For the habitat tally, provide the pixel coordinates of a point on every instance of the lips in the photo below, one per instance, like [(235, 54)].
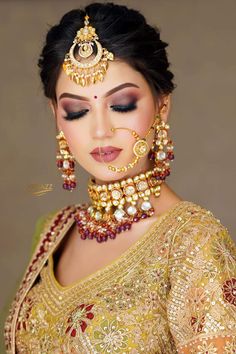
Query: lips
[(105, 150), (105, 154)]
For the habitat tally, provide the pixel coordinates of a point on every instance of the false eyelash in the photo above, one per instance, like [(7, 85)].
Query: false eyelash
[(123, 109), (115, 108), (75, 115)]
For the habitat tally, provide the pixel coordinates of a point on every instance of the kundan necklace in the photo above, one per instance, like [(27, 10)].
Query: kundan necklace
[(116, 206)]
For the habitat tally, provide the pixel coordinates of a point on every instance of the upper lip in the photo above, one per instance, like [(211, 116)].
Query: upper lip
[(104, 149)]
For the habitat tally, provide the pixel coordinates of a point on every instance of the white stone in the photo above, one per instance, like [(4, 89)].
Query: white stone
[(162, 134), (116, 194), (146, 206), (161, 155), (119, 214), (129, 190), (66, 164), (142, 185), (131, 210), (98, 215), (90, 209)]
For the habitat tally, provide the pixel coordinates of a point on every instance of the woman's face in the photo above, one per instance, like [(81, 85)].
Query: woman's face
[(87, 114)]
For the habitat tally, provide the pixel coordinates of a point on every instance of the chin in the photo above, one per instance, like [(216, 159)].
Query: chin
[(107, 176)]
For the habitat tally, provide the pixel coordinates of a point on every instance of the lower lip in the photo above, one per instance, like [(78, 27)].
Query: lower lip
[(106, 157)]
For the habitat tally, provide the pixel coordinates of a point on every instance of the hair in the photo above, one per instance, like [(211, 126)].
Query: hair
[(122, 31)]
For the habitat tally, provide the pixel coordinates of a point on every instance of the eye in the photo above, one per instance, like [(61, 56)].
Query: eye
[(76, 115), (124, 108)]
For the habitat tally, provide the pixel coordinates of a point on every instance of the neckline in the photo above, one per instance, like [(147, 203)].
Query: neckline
[(133, 247)]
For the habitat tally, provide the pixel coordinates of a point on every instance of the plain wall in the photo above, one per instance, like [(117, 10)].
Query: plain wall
[(202, 51)]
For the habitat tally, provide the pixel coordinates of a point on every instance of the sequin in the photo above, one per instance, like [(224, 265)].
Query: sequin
[(170, 292)]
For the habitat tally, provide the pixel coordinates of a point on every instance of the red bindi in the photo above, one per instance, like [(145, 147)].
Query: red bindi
[(95, 96)]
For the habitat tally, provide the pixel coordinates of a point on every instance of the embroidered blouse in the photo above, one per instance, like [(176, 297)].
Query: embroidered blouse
[(172, 291)]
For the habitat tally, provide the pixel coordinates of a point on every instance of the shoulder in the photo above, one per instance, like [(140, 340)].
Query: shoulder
[(195, 227), (194, 219), (48, 220), (198, 233)]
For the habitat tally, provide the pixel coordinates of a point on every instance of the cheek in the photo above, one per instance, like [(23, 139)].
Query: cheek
[(142, 119), (75, 134)]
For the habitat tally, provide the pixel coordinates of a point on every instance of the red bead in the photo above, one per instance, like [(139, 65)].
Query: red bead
[(73, 184), (71, 164), (83, 325), (170, 155), (112, 235), (73, 333), (59, 163), (90, 236)]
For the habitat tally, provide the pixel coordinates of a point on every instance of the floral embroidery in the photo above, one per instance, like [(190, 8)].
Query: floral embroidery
[(162, 295), (223, 251), (197, 323), (196, 300), (77, 319), (111, 337), (229, 291), (205, 348), (230, 347)]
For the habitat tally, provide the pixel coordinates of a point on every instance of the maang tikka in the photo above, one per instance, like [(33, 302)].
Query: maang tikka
[(87, 61)]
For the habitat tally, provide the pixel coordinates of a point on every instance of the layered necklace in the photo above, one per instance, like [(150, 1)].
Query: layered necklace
[(116, 206)]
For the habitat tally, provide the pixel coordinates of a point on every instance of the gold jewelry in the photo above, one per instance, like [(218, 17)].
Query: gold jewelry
[(162, 148), (115, 206), (140, 149), (66, 163), (90, 62)]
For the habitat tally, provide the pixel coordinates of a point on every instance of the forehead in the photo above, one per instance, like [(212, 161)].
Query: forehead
[(118, 72)]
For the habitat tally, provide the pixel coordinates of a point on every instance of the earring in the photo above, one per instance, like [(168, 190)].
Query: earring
[(65, 163), (162, 148)]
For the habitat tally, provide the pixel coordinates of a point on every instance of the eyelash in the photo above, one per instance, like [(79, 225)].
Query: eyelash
[(116, 108)]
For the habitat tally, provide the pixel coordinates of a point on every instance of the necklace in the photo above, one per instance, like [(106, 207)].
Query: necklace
[(116, 206)]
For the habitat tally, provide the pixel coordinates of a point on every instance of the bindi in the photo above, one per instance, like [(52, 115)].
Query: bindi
[(95, 97)]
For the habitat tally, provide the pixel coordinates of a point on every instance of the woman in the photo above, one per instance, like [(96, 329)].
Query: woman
[(139, 269)]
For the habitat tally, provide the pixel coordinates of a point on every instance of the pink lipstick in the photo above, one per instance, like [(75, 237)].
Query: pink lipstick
[(105, 154)]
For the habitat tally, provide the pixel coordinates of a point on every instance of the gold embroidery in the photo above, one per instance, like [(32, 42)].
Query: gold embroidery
[(169, 292)]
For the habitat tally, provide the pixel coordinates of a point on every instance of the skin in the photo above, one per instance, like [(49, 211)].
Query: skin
[(93, 130)]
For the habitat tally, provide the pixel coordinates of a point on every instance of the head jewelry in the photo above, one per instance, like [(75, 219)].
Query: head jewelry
[(87, 61)]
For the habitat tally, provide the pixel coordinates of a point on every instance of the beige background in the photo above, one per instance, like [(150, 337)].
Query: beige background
[(203, 118)]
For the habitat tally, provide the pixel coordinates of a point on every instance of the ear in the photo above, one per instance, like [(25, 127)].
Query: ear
[(53, 106), (164, 107)]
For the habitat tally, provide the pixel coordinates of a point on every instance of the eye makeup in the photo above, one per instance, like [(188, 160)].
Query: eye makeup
[(124, 108), (124, 103), (120, 103), (73, 110), (75, 115)]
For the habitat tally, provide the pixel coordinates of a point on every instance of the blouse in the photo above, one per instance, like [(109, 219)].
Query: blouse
[(172, 291)]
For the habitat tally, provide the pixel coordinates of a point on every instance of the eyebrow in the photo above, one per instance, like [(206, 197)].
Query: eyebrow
[(110, 92)]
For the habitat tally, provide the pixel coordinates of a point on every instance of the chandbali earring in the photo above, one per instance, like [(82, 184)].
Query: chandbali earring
[(162, 148), (66, 163)]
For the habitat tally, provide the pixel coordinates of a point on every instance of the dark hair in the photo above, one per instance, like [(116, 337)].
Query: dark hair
[(122, 31)]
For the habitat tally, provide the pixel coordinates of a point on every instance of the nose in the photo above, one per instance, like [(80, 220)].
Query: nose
[(101, 126)]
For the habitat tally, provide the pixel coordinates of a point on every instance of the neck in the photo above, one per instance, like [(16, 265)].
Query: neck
[(139, 168)]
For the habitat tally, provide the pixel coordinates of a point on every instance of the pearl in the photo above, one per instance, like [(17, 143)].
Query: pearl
[(119, 214), (131, 210), (146, 206)]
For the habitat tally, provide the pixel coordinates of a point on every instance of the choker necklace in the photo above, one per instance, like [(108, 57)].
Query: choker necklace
[(116, 206)]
